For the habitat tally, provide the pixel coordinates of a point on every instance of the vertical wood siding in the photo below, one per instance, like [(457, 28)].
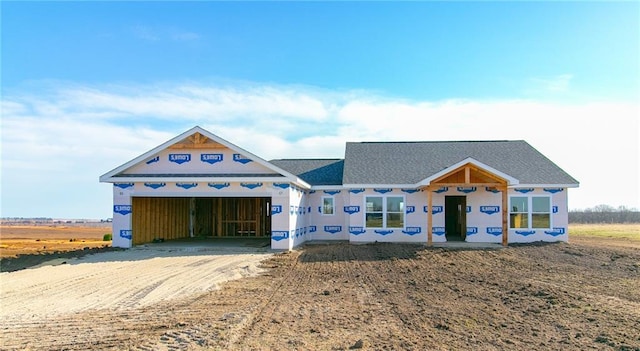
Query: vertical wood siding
[(165, 218)]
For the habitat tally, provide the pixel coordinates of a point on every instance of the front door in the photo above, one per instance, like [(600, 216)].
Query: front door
[(455, 217)]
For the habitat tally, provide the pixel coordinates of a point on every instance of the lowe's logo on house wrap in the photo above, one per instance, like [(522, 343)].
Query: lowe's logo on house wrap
[(278, 235), (443, 189), (219, 185), (436, 209), (351, 209), (179, 158), (411, 209), (123, 185), (126, 234), (122, 209), (250, 185), (438, 230), (468, 209), (356, 191), (331, 192), (412, 230), (382, 191), (489, 209), (495, 231), (312, 229), (524, 190), (555, 231), (525, 232), (155, 185), (553, 190), (211, 158), (491, 189), (466, 190), (357, 230), (276, 209), (472, 230), (153, 160), (409, 191), (383, 231), (281, 185), (332, 229), (554, 209), (241, 159), (186, 186)]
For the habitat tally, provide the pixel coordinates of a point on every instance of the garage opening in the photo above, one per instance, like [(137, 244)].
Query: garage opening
[(168, 218), (233, 217)]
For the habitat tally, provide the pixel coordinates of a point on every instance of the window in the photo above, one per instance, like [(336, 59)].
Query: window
[(384, 212), (327, 205), (530, 212)]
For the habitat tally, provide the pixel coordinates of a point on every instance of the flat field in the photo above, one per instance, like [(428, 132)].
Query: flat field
[(579, 296)]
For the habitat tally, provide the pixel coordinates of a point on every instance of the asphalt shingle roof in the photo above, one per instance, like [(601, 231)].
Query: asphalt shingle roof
[(411, 162), (314, 171)]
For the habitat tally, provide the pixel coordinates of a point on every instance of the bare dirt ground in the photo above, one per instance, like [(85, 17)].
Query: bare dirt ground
[(579, 296)]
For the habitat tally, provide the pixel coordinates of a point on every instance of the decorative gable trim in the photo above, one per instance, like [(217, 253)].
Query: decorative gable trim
[(197, 136), (469, 160)]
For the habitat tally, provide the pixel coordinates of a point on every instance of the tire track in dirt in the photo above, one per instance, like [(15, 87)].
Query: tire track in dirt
[(106, 301)]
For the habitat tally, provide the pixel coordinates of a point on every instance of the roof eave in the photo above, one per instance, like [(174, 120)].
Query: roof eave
[(574, 185)]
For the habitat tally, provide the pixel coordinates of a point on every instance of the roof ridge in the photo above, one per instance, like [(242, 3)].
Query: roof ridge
[(432, 141)]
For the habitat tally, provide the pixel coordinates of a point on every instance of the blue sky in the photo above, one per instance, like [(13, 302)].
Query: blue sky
[(86, 86)]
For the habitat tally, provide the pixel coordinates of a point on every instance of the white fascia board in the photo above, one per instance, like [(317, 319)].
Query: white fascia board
[(200, 194), (510, 180), (544, 186), (368, 186), (327, 187), (292, 178), (194, 179)]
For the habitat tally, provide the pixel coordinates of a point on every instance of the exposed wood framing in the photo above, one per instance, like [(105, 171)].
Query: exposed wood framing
[(159, 218), (505, 211), (429, 216), (197, 141)]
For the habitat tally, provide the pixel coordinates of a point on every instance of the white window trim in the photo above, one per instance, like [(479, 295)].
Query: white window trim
[(530, 211), (333, 206), (384, 211)]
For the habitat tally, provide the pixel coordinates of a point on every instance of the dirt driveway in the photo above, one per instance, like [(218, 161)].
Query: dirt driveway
[(577, 296)]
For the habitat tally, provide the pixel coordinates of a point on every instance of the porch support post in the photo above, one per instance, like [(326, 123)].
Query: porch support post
[(505, 211), (429, 217)]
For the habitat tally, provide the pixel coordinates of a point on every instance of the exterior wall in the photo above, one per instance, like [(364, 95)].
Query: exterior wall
[(281, 236), (185, 161), (415, 223), (290, 214), (122, 209), (328, 227), (559, 217), (484, 213)]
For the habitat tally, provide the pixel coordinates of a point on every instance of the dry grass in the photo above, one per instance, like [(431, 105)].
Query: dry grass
[(26, 240), (620, 231)]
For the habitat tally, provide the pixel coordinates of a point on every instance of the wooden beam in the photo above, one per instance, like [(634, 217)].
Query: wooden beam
[(429, 216), (467, 175), (505, 211)]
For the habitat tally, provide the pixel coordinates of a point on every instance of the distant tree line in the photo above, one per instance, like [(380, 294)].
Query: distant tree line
[(605, 214)]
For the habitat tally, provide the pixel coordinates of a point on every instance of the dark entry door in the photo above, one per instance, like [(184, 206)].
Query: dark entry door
[(455, 217)]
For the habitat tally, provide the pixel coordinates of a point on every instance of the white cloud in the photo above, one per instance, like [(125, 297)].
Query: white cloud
[(67, 137)]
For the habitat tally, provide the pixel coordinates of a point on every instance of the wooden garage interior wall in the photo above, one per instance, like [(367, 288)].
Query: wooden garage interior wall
[(168, 218), (159, 218)]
